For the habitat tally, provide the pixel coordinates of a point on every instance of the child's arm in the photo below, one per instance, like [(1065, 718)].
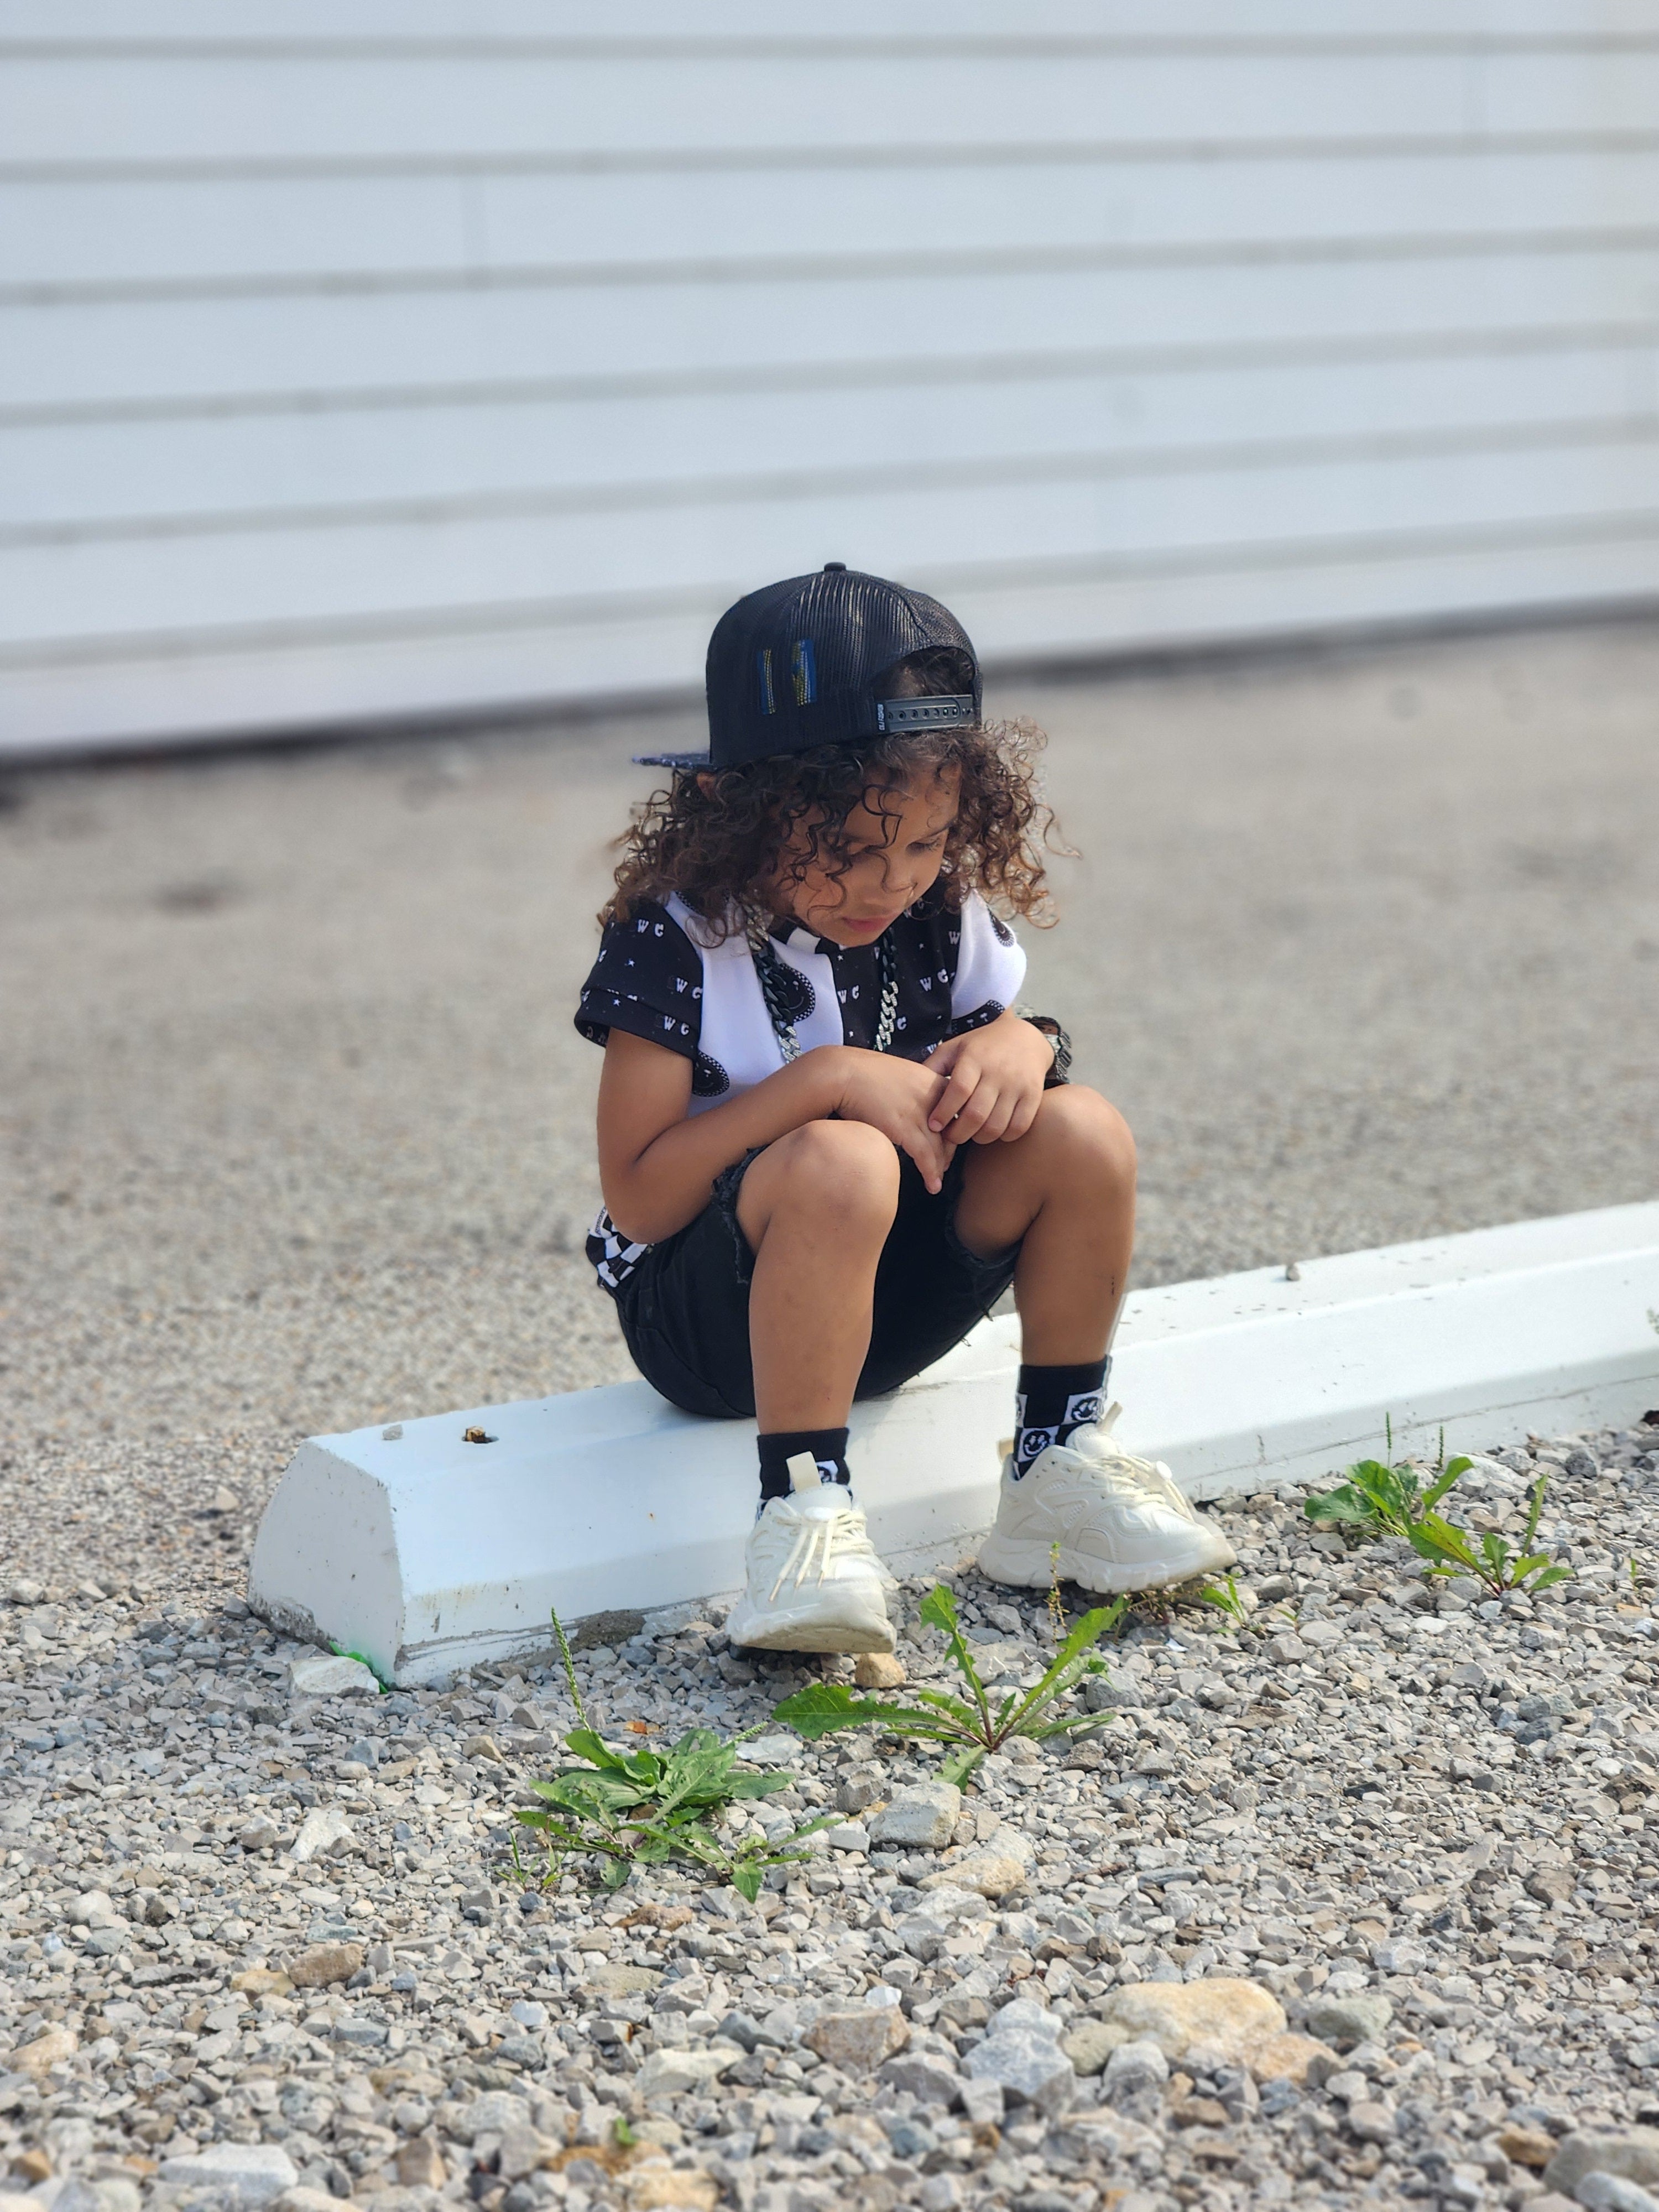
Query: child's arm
[(657, 1164)]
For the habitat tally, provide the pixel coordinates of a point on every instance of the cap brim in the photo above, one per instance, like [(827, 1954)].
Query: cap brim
[(671, 759)]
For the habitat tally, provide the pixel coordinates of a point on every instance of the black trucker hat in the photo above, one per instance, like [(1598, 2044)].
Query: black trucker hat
[(800, 664)]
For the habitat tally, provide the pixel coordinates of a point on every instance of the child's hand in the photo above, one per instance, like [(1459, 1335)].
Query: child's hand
[(896, 1097), (993, 1082)]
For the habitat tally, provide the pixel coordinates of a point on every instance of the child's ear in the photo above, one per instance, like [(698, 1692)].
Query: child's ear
[(706, 782)]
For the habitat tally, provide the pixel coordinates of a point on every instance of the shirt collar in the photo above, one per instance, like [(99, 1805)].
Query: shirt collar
[(787, 931)]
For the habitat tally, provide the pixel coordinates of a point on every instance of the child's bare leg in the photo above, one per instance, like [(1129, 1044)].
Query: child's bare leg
[(1073, 1503), (1067, 1188), (816, 1208)]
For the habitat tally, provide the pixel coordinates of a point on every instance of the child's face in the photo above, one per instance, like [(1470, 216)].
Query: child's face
[(894, 855)]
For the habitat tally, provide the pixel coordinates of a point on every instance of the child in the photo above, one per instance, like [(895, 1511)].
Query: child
[(827, 1143)]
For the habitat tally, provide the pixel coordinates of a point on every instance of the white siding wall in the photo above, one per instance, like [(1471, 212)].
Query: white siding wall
[(369, 356)]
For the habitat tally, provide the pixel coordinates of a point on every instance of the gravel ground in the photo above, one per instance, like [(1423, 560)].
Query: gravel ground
[(1355, 1903), (296, 1136)]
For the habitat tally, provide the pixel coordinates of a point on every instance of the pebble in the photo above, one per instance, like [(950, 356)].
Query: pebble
[(1227, 2015), (1362, 2017), (325, 1963), (322, 1831), (1632, 2154), (858, 2040), (323, 1675), (1380, 1913), (926, 1813), (243, 2176), (1023, 2056), (1611, 2192)]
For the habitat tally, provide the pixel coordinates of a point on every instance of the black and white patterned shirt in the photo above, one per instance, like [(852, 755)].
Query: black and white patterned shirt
[(662, 975)]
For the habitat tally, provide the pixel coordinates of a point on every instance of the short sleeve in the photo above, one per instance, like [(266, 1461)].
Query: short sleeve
[(646, 981), (990, 967)]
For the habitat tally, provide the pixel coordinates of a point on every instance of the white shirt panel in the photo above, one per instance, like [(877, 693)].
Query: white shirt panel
[(736, 1029), (987, 968)]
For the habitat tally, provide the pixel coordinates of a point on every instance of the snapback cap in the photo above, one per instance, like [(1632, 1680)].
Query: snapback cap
[(801, 664)]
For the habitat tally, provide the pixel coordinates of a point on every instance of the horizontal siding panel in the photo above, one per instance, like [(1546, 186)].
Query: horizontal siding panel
[(51, 356), (172, 475), (93, 23), (243, 231), (370, 357), (368, 577), (175, 107), (162, 692)]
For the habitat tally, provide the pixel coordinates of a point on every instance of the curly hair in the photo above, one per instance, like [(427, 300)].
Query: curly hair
[(716, 837)]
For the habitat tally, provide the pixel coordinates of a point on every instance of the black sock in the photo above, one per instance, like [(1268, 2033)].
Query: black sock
[(1052, 1403), (827, 1446)]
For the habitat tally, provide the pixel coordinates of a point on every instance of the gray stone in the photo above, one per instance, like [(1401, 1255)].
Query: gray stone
[(1632, 2155), (982, 2103), (1369, 2121), (1090, 2044), (923, 1931), (1322, 1635), (324, 1675), (492, 2114), (323, 1830), (673, 2073), (1139, 2064), (1611, 2192), (778, 1750), (929, 2080), (1021, 2054), (925, 1814), (1344, 2021), (241, 2175)]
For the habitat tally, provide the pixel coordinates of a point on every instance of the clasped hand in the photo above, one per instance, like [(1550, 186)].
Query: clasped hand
[(980, 1088)]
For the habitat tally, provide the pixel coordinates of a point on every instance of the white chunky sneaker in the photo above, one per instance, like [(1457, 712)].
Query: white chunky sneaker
[(1120, 1522), (814, 1580)]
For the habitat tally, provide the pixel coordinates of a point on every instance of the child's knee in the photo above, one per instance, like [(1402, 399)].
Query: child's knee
[(844, 1167), (1088, 1134)]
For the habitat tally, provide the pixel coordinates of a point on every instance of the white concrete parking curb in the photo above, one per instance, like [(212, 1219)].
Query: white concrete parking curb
[(427, 1552)]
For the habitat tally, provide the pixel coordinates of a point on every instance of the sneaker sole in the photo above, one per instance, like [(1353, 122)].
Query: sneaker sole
[(804, 1630), (1033, 1566)]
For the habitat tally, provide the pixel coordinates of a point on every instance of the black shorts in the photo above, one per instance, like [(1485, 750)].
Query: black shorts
[(685, 1308)]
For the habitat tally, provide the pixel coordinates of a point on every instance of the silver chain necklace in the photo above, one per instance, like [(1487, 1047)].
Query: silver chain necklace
[(770, 965)]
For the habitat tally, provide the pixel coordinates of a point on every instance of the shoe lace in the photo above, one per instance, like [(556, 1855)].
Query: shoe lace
[(821, 1540), (1126, 1474)]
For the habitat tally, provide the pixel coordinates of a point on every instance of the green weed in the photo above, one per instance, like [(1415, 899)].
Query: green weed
[(1379, 1500), (646, 1807), (968, 1727), (1451, 1550), (1225, 1597)]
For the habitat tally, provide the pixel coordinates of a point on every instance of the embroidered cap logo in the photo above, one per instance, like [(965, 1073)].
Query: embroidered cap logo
[(805, 672)]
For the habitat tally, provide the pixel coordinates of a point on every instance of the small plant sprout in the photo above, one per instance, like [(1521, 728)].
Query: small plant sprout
[(1056, 1603), (643, 1808), (1450, 1550), (971, 1726), (1226, 1598)]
